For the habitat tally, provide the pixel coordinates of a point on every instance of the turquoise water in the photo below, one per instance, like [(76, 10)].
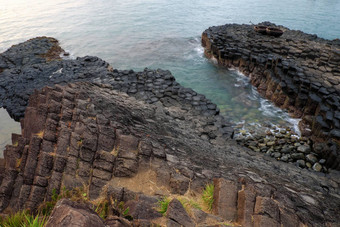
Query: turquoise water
[(166, 34)]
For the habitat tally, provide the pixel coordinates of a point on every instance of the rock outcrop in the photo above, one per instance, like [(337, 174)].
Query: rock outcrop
[(86, 134), (297, 71), (68, 213)]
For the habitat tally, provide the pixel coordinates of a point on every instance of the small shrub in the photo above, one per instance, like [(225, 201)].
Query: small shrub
[(208, 196), (163, 205)]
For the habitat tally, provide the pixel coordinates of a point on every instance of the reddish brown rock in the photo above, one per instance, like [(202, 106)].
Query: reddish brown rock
[(225, 199), (68, 213), (245, 206)]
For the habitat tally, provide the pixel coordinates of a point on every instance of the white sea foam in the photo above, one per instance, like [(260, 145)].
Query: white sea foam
[(266, 107)]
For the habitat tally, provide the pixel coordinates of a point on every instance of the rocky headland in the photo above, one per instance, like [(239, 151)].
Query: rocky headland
[(296, 71), (137, 137)]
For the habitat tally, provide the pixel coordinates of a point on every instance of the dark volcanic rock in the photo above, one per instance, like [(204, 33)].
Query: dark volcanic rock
[(295, 71), (177, 215), (92, 134), (22, 72), (188, 162)]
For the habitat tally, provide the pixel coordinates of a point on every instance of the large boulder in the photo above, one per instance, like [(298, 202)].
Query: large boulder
[(69, 213)]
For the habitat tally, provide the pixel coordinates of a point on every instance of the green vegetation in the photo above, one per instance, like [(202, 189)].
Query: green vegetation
[(208, 195), (24, 219), (121, 210), (102, 209), (163, 205), (17, 219), (36, 221)]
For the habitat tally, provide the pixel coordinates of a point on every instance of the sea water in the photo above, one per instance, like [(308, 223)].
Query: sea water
[(134, 34)]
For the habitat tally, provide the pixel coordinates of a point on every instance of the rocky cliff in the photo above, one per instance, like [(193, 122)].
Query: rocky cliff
[(297, 71), (136, 137)]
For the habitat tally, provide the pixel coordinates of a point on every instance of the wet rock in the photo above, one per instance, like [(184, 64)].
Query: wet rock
[(311, 158), (317, 167), (296, 156), (284, 158), (301, 163), (303, 149), (276, 154)]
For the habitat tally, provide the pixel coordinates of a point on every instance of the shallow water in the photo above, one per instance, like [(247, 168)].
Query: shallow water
[(7, 127), (166, 34)]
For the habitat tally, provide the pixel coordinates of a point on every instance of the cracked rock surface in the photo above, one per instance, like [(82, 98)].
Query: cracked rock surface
[(135, 136)]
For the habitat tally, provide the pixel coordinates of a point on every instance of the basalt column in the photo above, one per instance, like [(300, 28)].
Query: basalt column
[(297, 71)]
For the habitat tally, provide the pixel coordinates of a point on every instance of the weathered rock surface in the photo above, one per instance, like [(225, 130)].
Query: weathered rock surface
[(93, 135), (68, 213), (177, 215), (36, 63), (297, 71), (137, 144)]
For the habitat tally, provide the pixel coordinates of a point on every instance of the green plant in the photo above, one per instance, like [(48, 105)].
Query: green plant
[(121, 210), (24, 219), (14, 220), (102, 209), (208, 195), (163, 205), (36, 221)]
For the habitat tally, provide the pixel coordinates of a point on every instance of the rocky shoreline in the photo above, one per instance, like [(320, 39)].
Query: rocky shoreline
[(297, 71), (137, 137)]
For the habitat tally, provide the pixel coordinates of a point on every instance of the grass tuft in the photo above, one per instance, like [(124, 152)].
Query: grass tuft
[(13, 220), (24, 219), (37, 221), (208, 195), (163, 205)]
